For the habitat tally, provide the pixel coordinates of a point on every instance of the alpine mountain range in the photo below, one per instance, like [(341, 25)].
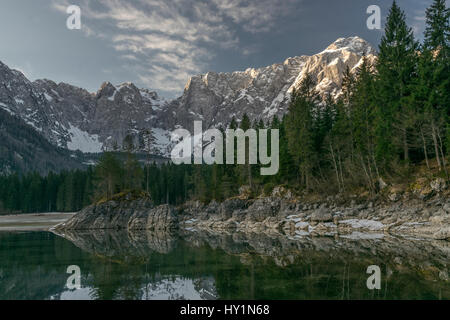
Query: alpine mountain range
[(70, 119)]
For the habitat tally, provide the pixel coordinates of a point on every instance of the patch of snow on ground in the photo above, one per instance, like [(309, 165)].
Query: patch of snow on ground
[(4, 107), (49, 98), (161, 143), (243, 94), (113, 96), (302, 225), (364, 224), (30, 123), (83, 141), (330, 225), (301, 233), (90, 163), (363, 236)]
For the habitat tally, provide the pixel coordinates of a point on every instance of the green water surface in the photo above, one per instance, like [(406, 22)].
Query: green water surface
[(193, 265)]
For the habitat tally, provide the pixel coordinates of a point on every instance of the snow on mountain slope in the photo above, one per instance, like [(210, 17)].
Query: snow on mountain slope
[(83, 141)]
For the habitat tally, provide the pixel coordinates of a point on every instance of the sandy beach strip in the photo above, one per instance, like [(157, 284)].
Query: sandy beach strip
[(32, 222)]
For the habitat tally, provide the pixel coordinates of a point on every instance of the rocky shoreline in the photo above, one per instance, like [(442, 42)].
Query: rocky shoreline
[(407, 215)]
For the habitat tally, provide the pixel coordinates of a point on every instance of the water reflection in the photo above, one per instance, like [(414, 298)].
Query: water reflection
[(169, 288), (206, 265)]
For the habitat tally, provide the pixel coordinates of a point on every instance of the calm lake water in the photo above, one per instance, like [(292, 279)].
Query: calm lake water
[(199, 265)]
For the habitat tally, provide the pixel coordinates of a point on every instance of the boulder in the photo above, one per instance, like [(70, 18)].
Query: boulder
[(245, 192), (282, 192), (438, 185), (229, 206), (321, 215), (163, 217), (442, 234), (263, 208), (192, 208), (112, 214), (381, 184), (134, 214)]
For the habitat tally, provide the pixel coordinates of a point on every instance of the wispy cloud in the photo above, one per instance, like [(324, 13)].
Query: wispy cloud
[(418, 23), (166, 41), (255, 16)]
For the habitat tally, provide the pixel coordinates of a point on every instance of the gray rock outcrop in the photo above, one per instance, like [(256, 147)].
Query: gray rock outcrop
[(139, 214)]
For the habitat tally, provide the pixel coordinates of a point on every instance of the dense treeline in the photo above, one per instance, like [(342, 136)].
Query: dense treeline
[(392, 115), (67, 191), (70, 191)]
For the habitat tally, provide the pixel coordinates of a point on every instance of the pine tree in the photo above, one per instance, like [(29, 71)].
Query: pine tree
[(396, 68), (339, 143), (437, 32), (69, 197), (363, 122), (233, 124), (108, 173), (88, 188), (432, 91), (61, 194), (133, 173), (147, 141), (299, 129)]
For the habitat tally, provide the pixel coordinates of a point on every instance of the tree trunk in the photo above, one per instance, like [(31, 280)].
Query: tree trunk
[(340, 169), (249, 169), (425, 149), (436, 145), (444, 163), (335, 167), (405, 145)]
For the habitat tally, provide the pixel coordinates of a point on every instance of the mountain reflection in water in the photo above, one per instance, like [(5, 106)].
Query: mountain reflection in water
[(203, 265)]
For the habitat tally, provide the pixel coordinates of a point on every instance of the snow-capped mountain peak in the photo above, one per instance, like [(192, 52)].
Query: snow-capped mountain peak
[(73, 118), (356, 45)]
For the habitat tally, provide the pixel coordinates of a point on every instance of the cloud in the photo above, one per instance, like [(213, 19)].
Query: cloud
[(418, 23), (256, 16), (166, 41)]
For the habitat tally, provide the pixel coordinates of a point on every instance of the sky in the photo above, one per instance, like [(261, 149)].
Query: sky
[(159, 44)]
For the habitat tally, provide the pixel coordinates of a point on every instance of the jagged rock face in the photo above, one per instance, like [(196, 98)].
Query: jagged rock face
[(262, 93), (19, 97), (216, 98), (73, 118), (101, 121), (123, 111), (70, 108)]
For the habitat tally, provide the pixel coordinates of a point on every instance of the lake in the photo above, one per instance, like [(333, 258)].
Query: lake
[(206, 265)]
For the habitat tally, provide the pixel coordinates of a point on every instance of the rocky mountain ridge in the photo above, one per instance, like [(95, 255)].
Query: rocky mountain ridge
[(73, 118)]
